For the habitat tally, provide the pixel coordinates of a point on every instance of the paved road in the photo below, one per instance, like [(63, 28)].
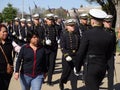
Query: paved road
[(15, 85)]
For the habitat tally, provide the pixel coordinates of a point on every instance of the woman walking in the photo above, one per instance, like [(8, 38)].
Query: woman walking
[(33, 67)]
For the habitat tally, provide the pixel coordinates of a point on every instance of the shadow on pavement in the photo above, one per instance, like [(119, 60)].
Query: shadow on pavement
[(57, 71), (56, 82), (81, 88), (58, 58), (67, 89), (117, 86), (58, 63)]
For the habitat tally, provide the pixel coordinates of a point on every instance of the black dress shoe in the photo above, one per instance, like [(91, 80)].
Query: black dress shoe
[(61, 85), (50, 83)]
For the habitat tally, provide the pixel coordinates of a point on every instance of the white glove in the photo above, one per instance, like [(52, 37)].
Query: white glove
[(75, 72), (25, 39), (13, 33), (58, 41), (16, 46), (68, 58), (48, 42), (20, 37), (17, 49)]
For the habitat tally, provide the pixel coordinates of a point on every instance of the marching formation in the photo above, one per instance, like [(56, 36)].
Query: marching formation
[(87, 41)]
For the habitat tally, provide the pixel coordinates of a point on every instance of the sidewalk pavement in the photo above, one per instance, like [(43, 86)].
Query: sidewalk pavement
[(15, 85)]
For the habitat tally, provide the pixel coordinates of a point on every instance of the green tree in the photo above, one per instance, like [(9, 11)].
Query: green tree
[(1, 18), (9, 13)]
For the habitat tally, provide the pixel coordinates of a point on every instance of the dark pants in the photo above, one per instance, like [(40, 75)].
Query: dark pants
[(5, 81), (94, 76), (68, 73), (51, 57), (110, 70)]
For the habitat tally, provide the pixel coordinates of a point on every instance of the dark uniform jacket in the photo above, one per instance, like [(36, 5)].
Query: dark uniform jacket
[(33, 63), (69, 43), (14, 29), (83, 27), (51, 34), (7, 47), (23, 33), (29, 28), (20, 31), (40, 31), (59, 30), (95, 43)]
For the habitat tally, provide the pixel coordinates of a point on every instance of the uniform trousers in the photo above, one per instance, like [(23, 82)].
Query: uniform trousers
[(68, 73), (51, 57), (110, 71), (94, 75)]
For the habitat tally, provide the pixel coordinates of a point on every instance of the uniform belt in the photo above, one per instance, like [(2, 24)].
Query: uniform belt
[(98, 59)]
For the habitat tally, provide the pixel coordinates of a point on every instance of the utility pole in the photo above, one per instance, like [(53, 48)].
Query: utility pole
[(22, 8)]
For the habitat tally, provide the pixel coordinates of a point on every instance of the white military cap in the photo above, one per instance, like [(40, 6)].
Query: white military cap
[(84, 15), (108, 18), (28, 20), (36, 16), (23, 20), (55, 16), (50, 16), (97, 13), (70, 22), (16, 19)]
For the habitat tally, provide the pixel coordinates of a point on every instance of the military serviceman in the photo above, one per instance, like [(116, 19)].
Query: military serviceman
[(37, 27), (29, 24), (10, 30), (110, 69), (19, 31), (83, 21), (22, 32), (15, 29), (58, 22), (69, 43), (51, 45), (97, 47), (84, 25)]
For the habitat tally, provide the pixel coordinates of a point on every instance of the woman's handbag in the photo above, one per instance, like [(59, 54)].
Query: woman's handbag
[(9, 67)]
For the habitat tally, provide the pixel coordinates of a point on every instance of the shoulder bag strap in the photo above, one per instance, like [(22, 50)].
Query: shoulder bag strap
[(4, 54)]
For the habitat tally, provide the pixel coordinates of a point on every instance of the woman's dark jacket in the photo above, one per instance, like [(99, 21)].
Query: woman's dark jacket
[(33, 62), (7, 47)]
